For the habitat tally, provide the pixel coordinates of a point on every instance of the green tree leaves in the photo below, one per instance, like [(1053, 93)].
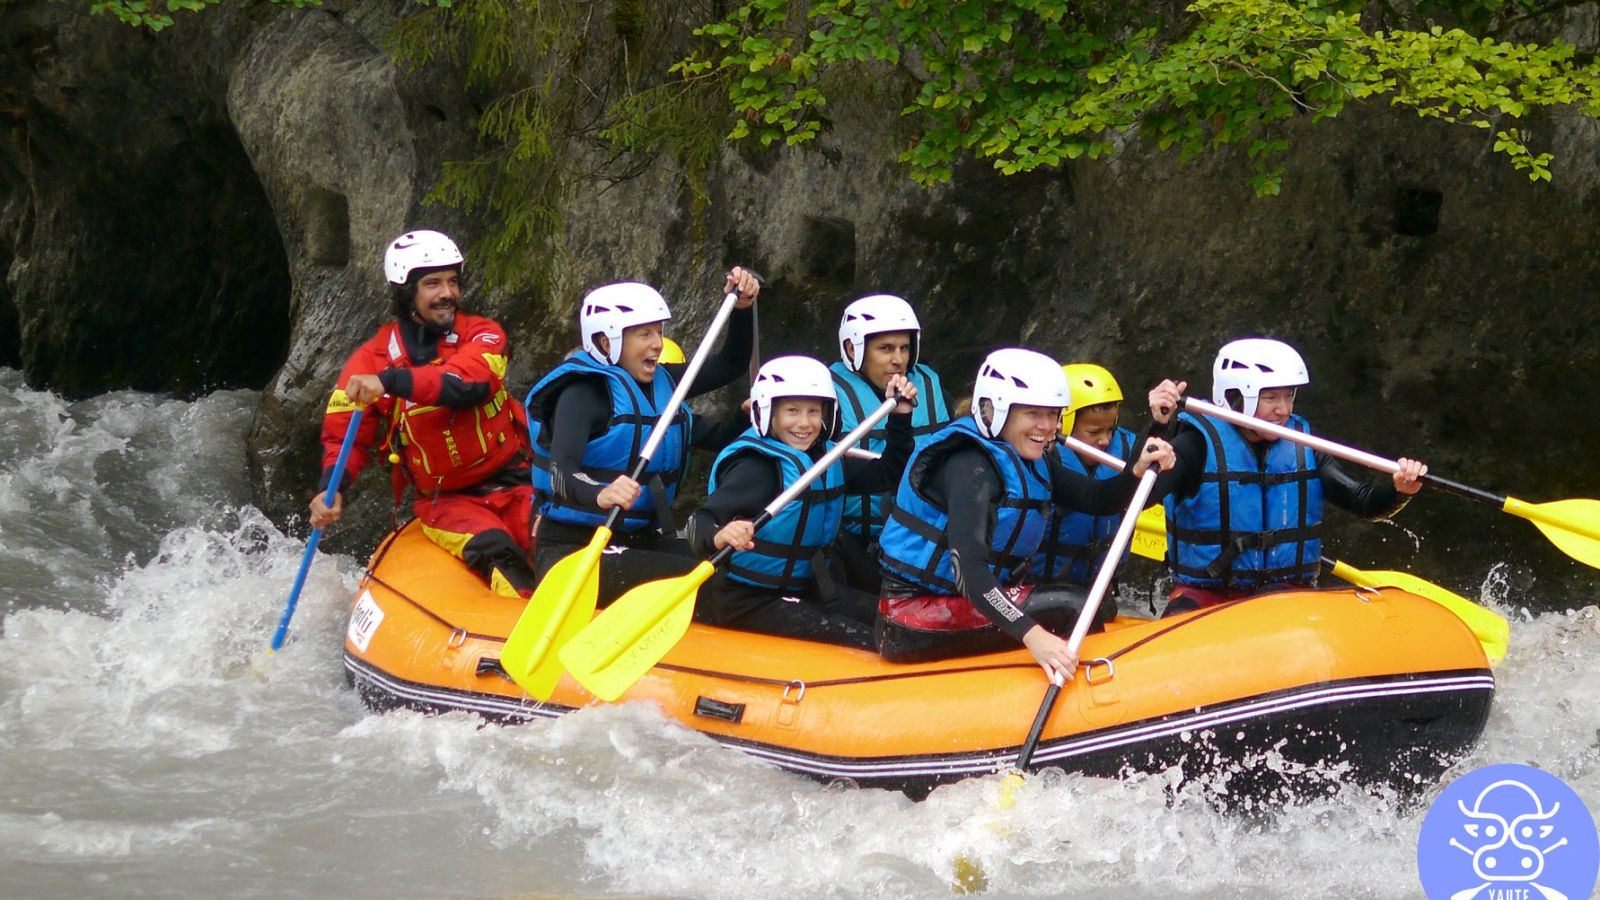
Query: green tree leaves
[(1029, 83), (156, 14)]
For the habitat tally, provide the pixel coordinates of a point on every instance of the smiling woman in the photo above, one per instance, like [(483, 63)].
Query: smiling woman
[(970, 513)]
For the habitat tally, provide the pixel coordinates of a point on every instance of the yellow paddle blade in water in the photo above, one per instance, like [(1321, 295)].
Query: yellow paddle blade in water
[(631, 635), (1488, 626), (561, 606), (1572, 525)]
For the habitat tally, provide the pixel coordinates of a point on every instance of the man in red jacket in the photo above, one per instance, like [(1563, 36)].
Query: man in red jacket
[(434, 381)]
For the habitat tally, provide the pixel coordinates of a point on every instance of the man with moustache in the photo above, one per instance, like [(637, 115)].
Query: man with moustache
[(434, 381)]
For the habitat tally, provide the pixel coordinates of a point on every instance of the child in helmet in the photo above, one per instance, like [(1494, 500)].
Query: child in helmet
[(1244, 510), (592, 414), (969, 515), (879, 337), (777, 580), (1075, 543)]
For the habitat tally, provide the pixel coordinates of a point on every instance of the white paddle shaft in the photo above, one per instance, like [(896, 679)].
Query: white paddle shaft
[(1261, 426), (659, 433)]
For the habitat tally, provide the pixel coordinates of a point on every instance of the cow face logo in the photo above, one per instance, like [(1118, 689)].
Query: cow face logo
[(1508, 832)]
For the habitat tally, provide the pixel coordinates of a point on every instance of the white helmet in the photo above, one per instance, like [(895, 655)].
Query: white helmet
[(610, 308), (792, 376), (418, 250), (876, 314), (1013, 375), (1252, 365)]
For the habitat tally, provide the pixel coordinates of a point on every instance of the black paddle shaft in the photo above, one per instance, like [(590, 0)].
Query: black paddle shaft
[(616, 511), (721, 556), (1028, 746), (1463, 490), (1025, 755)]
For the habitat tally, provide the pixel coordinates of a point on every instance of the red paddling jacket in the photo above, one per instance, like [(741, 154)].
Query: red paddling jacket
[(449, 415)]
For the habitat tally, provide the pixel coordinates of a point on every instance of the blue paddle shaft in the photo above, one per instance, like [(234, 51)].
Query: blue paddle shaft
[(316, 533)]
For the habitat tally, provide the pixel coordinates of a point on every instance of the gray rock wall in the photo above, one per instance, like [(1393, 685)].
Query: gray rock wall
[(218, 196)]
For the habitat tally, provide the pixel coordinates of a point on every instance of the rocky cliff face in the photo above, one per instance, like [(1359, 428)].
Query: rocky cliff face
[(208, 206)]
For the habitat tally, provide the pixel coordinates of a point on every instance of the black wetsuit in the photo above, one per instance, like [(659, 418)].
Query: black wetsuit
[(831, 610), (1370, 501), (966, 485), (582, 412)]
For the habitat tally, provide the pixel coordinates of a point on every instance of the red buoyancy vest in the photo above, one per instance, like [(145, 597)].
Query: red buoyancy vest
[(441, 448)]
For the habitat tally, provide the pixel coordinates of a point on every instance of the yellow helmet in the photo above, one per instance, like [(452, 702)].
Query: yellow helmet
[(1091, 385), (670, 351)]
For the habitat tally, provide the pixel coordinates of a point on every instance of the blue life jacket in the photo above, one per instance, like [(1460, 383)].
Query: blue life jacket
[(1076, 543), (863, 513), (1248, 524), (613, 453), (785, 546), (914, 544)]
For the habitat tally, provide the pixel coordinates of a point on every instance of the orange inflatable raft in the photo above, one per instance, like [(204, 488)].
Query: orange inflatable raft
[(1387, 686)]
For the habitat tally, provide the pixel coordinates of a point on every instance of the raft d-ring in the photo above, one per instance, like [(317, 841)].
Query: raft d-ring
[(1368, 593), (799, 694), (1088, 670), (458, 637)]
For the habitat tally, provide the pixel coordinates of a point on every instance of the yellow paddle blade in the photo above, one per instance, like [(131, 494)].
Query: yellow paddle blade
[(1489, 627), (1150, 534), (1572, 525), (631, 635), (561, 606)]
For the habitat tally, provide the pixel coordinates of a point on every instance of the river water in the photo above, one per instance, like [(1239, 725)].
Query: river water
[(149, 747)]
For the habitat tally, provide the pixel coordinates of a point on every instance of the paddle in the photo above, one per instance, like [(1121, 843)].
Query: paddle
[(1572, 525), (316, 533), (565, 599), (1490, 628), (1102, 581), (632, 635)]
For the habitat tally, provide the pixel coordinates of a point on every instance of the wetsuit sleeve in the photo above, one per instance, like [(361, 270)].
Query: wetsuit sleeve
[(473, 374), (747, 483), (1183, 479), (971, 493), (1369, 501), (581, 412), (1095, 496), (877, 476), (714, 436), (724, 367), (369, 359)]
